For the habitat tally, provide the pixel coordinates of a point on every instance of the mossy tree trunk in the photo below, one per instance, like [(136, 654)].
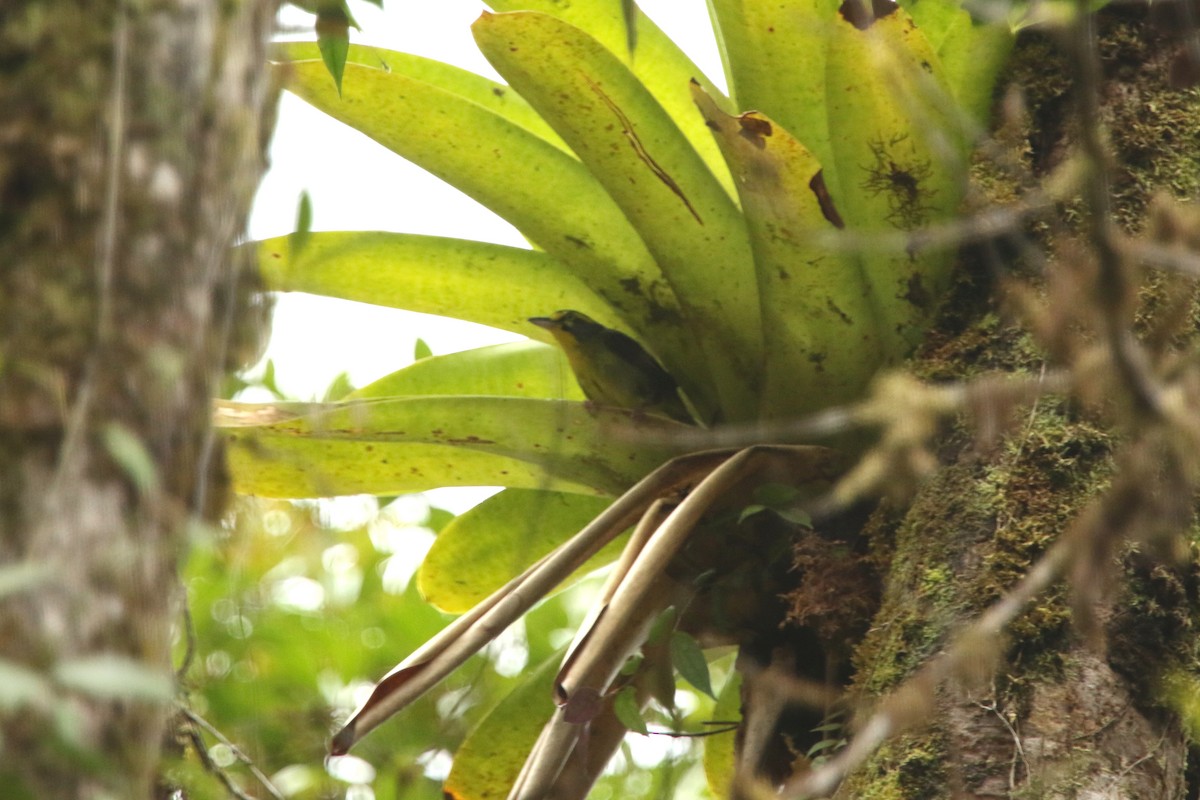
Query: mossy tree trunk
[(133, 139), (1062, 710)]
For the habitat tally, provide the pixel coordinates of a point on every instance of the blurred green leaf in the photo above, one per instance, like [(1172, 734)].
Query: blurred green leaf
[(333, 39), (628, 710), (298, 238), (339, 388), (486, 546), (115, 677), (21, 687), (689, 661), (491, 757), (131, 454), (17, 578), (720, 754)]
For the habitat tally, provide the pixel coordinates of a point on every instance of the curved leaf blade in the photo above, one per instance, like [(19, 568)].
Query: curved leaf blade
[(487, 283), (488, 545), (720, 750), (688, 221), (775, 58), (518, 369), (901, 162), (818, 325), (493, 96), (547, 194), (488, 762), (397, 445), (656, 60)]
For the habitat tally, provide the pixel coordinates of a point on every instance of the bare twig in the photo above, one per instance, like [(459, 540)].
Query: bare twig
[(198, 722)]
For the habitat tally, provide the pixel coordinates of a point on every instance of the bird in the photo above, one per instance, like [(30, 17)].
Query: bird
[(612, 368)]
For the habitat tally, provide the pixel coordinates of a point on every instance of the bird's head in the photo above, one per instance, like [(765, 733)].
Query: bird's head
[(569, 325)]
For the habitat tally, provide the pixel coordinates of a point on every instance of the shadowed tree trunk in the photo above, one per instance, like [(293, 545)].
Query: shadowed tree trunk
[(133, 138)]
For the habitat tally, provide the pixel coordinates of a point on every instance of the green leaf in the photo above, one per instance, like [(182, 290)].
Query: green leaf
[(687, 220), (421, 349), (486, 283), (823, 745), (901, 164), (795, 516), (481, 91), (720, 755), (629, 11), (775, 59), (21, 687), (776, 494), (489, 760), (484, 547), (657, 61), (396, 445), (628, 711), (689, 661), (972, 54), (750, 510), (632, 665), (819, 327), (269, 381), (127, 449), (338, 388), (333, 40), (115, 677), (304, 215), (546, 193), (662, 626), (517, 369)]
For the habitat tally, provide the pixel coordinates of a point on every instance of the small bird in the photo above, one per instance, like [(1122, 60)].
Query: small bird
[(612, 368)]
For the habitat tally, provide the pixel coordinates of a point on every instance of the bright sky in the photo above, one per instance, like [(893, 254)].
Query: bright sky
[(356, 184)]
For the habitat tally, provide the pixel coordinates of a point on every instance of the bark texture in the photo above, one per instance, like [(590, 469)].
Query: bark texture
[(133, 139)]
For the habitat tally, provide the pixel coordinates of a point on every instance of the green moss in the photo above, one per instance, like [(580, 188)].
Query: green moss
[(911, 767)]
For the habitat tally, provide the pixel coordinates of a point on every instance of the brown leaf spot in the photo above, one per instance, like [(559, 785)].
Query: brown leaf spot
[(828, 210), (755, 129), (860, 16)]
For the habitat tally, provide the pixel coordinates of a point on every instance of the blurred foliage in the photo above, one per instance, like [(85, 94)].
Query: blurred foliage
[(296, 607)]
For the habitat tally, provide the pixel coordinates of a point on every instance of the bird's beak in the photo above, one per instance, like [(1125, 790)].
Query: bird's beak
[(543, 322)]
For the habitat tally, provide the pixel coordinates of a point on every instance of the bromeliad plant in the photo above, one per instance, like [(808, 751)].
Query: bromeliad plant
[(745, 241)]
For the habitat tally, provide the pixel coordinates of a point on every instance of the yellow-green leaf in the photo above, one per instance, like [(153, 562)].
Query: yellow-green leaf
[(481, 549), (397, 445), (687, 220), (518, 369), (488, 762), (901, 163), (822, 345), (775, 60), (659, 64), (546, 193), (495, 97), (720, 753), (486, 283)]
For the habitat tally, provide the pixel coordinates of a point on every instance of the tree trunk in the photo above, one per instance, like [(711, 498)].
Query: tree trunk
[(1071, 701), (133, 139)]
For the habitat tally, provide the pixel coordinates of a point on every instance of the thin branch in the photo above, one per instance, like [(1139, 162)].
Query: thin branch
[(1113, 287), (198, 721)]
